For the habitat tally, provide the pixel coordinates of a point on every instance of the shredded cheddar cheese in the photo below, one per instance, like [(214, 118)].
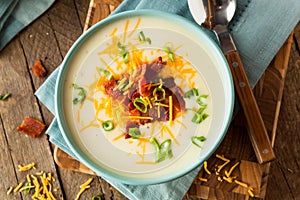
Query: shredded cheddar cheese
[(9, 190), (203, 179), (140, 117), (42, 188), (241, 183), (250, 192), (226, 175), (205, 167), (83, 187), (18, 187), (231, 169), (170, 110), (26, 167)]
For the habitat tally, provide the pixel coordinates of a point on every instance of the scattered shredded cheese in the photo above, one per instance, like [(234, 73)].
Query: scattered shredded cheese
[(28, 178), (205, 167), (227, 175), (83, 187), (220, 167), (203, 179), (231, 169), (250, 192), (18, 187), (228, 179), (26, 167), (9, 190), (241, 183)]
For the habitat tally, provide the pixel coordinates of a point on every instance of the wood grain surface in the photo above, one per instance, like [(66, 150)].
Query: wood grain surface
[(49, 38)]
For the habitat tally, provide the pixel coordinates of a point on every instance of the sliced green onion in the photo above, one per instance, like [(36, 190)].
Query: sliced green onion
[(156, 92), (199, 117), (137, 104), (97, 197), (108, 125), (81, 94), (148, 40), (191, 92), (106, 73), (163, 151), (170, 53), (201, 100), (124, 53), (134, 132), (142, 38), (4, 97), (197, 140), (126, 58), (28, 186)]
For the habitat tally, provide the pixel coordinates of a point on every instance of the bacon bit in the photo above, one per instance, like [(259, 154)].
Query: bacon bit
[(203, 179), (31, 127), (231, 169), (38, 69), (205, 167)]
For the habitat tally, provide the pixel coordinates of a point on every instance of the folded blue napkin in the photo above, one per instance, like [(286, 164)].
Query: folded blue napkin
[(259, 30), (17, 14)]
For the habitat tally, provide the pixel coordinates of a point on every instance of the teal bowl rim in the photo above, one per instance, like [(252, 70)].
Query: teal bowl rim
[(64, 66)]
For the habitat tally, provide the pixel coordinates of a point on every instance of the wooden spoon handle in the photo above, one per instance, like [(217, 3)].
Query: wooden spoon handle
[(257, 131)]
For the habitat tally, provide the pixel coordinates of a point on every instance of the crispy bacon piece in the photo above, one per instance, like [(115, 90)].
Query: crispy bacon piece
[(31, 127), (38, 69)]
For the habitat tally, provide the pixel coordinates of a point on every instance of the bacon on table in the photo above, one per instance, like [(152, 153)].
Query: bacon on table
[(38, 69), (31, 127)]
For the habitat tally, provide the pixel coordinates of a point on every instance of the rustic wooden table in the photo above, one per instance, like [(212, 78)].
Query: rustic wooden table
[(48, 38)]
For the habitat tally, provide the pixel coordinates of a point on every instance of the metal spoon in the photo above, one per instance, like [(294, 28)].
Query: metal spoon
[(218, 15)]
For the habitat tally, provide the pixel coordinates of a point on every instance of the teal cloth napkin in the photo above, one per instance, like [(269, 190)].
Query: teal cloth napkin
[(17, 14), (259, 30)]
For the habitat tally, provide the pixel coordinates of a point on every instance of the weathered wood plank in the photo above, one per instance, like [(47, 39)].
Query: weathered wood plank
[(24, 150), (65, 24), (7, 174), (285, 173)]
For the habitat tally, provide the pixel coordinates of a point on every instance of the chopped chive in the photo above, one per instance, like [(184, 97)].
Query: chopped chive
[(123, 52), (106, 73), (158, 91), (108, 125), (81, 94), (140, 104), (4, 97), (191, 92), (170, 53), (197, 140), (134, 132), (142, 38), (97, 197), (28, 186), (163, 150)]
